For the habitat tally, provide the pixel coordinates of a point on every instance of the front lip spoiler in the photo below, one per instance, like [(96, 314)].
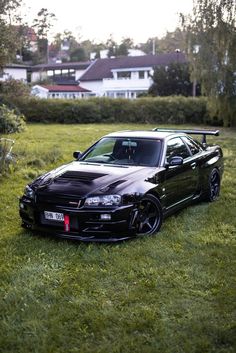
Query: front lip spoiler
[(77, 237), (90, 239)]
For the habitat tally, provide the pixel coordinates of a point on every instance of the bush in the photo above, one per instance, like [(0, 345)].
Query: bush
[(14, 88), (10, 122), (158, 110)]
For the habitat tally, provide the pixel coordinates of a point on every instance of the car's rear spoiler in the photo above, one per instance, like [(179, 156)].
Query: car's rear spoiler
[(192, 132)]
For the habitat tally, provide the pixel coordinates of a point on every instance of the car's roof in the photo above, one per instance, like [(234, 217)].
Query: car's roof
[(151, 134)]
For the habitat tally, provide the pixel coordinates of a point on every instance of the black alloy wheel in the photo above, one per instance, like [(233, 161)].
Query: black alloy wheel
[(149, 218), (214, 185)]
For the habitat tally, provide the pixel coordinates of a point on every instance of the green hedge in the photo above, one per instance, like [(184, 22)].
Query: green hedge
[(162, 110)]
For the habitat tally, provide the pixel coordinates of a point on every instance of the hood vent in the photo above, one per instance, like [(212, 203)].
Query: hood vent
[(80, 176), (116, 183), (112, 186)]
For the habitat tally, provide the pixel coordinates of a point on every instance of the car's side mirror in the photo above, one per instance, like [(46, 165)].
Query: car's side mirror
[(174, 161), (77, 154)]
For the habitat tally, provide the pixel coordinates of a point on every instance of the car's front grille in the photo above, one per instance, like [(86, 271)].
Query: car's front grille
[(60, 201)]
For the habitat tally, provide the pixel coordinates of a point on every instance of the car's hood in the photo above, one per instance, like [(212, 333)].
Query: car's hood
[(83, 179)]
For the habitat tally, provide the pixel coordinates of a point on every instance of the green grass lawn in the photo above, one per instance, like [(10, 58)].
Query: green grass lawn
[(173, 292)]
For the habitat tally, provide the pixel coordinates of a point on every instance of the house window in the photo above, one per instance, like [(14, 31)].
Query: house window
[(35, 91), (120, 94), (65, 72), (61, 73), (110, 94), (141, 74), (71, 72), (123, 74), (132, 94), (57, 72)]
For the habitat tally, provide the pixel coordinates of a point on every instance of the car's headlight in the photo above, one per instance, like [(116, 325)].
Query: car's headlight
[(29, 192), (105, 200)]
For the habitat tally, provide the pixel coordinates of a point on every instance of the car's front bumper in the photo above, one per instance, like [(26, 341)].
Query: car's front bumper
[(84, 224)]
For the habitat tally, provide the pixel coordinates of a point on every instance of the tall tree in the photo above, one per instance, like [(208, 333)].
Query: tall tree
[(125, 45), (150, 46), (168, 43), (172, 41), (92, 47), (171, 80), (8, 42), (78, 54), (111, 46), (211, 42), (42, 24), (64, 43), (69, 40)]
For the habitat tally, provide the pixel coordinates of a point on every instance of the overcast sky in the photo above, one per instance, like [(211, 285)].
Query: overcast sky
[(97, 19)]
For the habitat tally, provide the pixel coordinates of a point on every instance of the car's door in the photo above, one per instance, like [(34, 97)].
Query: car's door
[(181, 181)]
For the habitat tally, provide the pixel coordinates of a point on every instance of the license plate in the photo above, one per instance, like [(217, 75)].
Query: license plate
[(54, 216)]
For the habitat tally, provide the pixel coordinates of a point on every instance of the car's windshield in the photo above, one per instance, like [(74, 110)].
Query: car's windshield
[(125, 151)]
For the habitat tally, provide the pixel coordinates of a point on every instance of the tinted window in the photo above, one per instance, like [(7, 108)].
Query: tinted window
[(194, 148), (176, 147), (130, 151)]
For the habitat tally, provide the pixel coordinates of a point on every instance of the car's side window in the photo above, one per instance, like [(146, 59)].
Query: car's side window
[(194, 148), (176, 147)]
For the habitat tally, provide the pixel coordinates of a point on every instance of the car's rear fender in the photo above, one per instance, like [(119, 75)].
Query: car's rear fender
[(213, 159)]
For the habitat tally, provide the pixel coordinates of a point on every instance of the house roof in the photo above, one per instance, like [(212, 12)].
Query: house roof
[(65, 88), (101, 68), (80, 65), (16, 66)]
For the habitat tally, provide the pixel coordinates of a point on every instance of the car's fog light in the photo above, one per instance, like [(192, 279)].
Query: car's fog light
[(105, 217)]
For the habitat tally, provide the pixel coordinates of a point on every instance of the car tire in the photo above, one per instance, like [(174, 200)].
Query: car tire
[(213, 189), (149, 218)]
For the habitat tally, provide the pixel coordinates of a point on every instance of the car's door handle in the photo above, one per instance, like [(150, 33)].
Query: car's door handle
[(193, 165)]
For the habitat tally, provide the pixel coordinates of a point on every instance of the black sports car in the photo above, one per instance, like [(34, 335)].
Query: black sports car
[(123, 185)]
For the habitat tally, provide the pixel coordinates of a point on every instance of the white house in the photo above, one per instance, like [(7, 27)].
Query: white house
[(61, 73), (14, 71), (59, 91), (125, 77)]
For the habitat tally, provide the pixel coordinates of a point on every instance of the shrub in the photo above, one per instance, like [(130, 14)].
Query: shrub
[(10, 122), (14, 88), (158, 110)]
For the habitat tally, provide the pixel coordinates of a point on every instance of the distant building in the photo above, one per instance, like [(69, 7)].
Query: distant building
[(104, 53), (135, 52), (126, 76), (59, 73), (14, 71)]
